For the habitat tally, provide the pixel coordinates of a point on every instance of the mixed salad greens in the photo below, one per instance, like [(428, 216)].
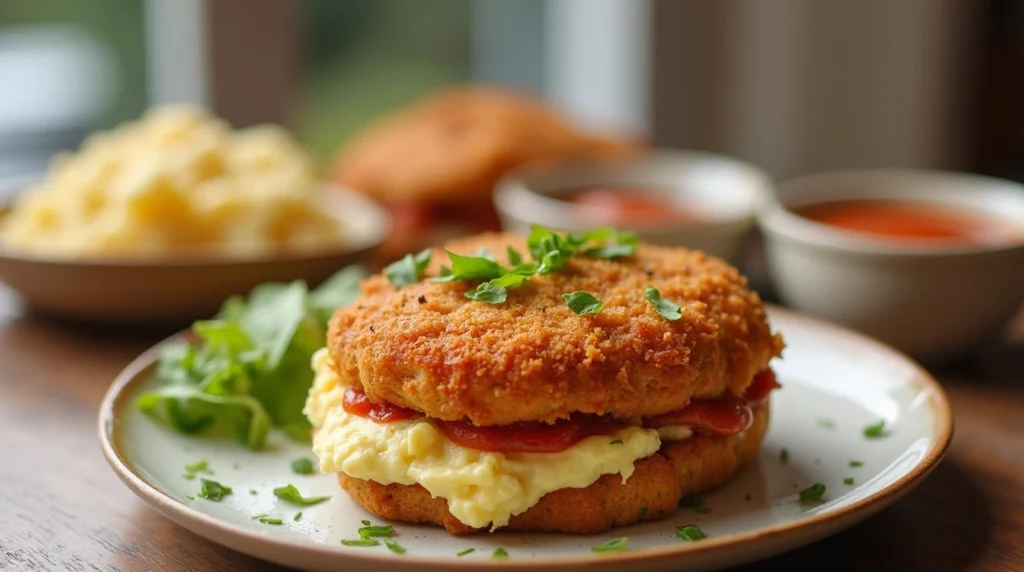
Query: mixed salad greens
[(248, 369)]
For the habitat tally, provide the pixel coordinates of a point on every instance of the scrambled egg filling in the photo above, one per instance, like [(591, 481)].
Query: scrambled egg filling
[(176, 179), (482, 488)]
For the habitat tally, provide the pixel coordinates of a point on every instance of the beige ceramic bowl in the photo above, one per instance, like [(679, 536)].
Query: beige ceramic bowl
[(932, 301), (182, 289), (726, 192)]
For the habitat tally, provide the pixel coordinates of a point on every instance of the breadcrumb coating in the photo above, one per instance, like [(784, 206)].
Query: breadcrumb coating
[(427, 347)]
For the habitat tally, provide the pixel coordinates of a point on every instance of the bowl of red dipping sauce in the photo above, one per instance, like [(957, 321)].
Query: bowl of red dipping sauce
[(682, 198), (931, 262)]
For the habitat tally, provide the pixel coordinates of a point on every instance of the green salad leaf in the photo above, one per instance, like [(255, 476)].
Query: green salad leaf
[(247, 369)]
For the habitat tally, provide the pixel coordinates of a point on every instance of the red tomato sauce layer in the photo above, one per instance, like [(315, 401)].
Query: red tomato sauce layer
[(723, 416)]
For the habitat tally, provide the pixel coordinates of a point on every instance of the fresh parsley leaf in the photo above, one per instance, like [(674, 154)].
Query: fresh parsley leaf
[(297, 516), (668, 310), (360, 542), (876, 431), (473, 267), (582, 302), (784, 455), (613, 545), (303, 466), (855, 463), (848, 481), (813, 493), (514, 258), (690, 533), (616, 442), (488, 292), (462, 553), (368, 531), (394, 546), (499, 552), (408, 269), (292, 495), (212, 490), (268, 520)]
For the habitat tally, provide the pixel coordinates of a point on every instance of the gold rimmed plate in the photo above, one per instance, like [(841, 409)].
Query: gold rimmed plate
[(835, 384)]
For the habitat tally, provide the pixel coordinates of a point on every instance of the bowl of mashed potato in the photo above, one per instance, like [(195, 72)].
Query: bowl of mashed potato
[(162, 218)]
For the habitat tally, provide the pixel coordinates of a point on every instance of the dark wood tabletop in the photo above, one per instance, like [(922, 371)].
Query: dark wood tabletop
[(62, 507)]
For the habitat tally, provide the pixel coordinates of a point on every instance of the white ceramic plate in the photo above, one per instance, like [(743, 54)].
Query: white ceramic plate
[(835, 384)]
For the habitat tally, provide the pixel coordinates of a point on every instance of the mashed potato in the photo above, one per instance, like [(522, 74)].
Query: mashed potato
[(482, 488), (176, 180)]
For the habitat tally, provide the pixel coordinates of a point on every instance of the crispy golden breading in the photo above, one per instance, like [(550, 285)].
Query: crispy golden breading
[(651, 493), (429, 348), (453, 146), (705, 461), (659, 482)]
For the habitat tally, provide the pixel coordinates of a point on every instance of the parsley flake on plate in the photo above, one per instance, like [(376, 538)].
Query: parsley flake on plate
[(297, 516), (303, 466), (499, 552), (200, 466), (582, 302), (613, 545), (212, 490), (690, 533), (784, 455), (368, 531), (848, 481), (360, 542), (668, 309), (855, 463), (462, 553), (292, 495), (408, 269), (270, 520), (813, 493), (394, 546), (876, 431)]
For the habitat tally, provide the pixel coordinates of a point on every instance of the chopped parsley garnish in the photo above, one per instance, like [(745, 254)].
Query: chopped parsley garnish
[(292, 495), (499, 552), (365, 522), (360, 542), (200, 466), (690, 533), (826, 423), (368, 531), (582, 302), (855, 463), (812, 493), (875, 431), (260, 516), (691, 501), (616, 442), (848, 481), (268, 520), (252, 491), (462, 553), (489, 292), (212, 490), (613, 545), (784, 455), (407, 270), (303, 466), (668, 310), (394, 546), (190, 497)]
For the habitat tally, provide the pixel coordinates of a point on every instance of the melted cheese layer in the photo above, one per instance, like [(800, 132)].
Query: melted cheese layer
[(482, 488)]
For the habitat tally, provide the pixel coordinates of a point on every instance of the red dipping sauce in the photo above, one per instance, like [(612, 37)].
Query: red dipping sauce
[(914, 221), (626, 206)]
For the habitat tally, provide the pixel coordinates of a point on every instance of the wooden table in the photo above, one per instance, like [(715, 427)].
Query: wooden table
[(62, 508)]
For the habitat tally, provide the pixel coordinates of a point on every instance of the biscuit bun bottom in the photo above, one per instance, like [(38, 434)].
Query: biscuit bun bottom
[(653, 492)]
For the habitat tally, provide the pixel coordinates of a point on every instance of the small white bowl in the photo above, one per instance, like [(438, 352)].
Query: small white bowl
[(726, 192), (933, 301)]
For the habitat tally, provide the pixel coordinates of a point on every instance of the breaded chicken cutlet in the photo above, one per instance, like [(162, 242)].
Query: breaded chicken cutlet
[(526, 409)]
